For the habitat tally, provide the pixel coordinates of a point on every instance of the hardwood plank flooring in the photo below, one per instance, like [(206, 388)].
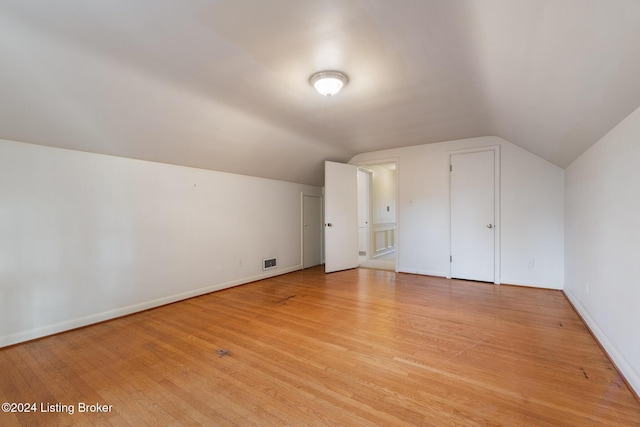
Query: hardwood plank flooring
[(354, 348)]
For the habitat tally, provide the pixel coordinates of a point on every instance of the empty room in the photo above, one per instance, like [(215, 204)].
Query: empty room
[(320, 212)]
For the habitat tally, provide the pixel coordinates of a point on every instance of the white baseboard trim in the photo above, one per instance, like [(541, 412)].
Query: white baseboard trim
[(528, 284), (632, 377), (423, 272), (123, 311), (505, 282)]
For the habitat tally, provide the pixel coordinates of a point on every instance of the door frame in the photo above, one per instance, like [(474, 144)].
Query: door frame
[(497, 225), (302, 196), (397, 232)]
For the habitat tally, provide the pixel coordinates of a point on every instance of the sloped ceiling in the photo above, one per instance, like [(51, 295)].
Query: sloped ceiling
[(223, 85)]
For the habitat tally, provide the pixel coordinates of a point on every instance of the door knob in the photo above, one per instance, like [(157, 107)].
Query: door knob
[(489, 225), (329, 225)]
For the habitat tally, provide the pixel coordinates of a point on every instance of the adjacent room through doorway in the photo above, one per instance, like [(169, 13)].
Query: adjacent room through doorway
[(377, 217)]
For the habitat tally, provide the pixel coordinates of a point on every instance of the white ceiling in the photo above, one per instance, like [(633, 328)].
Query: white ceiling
[(223, 84)]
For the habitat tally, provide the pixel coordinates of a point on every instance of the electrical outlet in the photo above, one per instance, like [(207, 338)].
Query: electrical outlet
[(531, 263)]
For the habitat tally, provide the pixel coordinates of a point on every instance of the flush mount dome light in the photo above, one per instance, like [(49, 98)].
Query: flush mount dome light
[(328, 83)]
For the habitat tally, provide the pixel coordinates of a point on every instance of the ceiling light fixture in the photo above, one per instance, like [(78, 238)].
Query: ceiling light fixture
[(328, 83)]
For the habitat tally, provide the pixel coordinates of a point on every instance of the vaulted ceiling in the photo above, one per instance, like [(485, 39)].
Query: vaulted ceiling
[(223, 84)]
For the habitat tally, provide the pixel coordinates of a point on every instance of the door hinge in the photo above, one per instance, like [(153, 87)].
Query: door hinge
[(450, 168), (450, 258)]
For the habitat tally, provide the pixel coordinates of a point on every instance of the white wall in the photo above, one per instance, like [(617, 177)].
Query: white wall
[(532, 211), (87, 237), (603, 243)]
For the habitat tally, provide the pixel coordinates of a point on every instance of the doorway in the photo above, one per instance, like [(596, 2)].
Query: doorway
[(311, 230), (377, 217)]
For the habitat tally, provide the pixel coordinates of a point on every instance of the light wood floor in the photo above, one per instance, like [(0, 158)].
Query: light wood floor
[(355, 348)]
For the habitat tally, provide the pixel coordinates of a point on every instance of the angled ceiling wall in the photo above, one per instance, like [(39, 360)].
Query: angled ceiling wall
[(223, 85)]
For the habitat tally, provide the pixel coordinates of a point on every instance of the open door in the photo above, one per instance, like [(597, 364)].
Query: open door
[(340, 216)]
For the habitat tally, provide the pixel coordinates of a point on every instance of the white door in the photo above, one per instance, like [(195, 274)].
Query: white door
[(364, 178), (311, 231), (340, 216), (473, 216)]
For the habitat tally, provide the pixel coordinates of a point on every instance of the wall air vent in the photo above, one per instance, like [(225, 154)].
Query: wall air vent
[(269, 263)]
